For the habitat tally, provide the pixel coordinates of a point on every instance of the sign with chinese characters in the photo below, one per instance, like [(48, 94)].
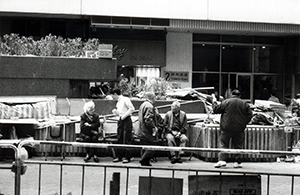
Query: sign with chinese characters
[(176, 76), (104, 51)]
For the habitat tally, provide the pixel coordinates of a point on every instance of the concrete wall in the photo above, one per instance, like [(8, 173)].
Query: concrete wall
[(74, 106), (266, 11), (57, 68), (179, 55), (25, 76), (33, 87)]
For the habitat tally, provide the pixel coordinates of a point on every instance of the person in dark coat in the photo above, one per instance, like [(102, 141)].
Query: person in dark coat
[(147, 126), (235, 115), (89, 124), (175, 122)]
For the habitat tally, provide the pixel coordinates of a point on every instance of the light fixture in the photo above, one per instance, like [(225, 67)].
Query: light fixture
[(263, 47)]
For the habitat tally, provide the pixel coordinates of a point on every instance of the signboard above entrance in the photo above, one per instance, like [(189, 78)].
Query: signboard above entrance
[(139, 53)]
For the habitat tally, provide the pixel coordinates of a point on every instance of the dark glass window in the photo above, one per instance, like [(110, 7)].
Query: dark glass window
[(206, 57), (34, 28), (269, 40), (236, 39), (297, 83), (265, 84), (57, 28), (236, 58), (236, 81), (101, 19), (141, 21), (160, 22), (205, 80), (120, 20), (206, 37), (18, 26), (26, 27), (126, 34), (75, 29), (268, 59)]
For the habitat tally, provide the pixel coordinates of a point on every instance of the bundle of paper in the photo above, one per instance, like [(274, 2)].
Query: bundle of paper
[(269, 105)]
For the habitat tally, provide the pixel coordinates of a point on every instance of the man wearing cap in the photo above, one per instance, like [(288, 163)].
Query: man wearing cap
[(235, 115)]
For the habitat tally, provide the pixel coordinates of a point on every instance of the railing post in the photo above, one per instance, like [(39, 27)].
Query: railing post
[(18, 164), (18, 169)]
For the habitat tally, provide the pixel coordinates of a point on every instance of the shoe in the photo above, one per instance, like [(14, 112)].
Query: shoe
[(125, 161), (116, 160), (87, 158), (173, 160), (145, 163), (179, 160), (96, 159), (237, 165), (220, 164)]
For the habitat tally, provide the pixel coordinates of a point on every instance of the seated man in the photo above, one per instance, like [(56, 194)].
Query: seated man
[(176, 126)]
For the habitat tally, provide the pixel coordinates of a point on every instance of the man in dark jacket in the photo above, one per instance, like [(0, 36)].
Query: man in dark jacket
[(235, 115), (147, 126), (176, 126)]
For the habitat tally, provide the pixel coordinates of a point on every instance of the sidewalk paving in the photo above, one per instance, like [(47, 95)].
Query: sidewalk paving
[(194, 164), (72, 175)]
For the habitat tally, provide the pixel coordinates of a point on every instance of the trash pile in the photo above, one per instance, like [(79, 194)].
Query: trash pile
[(264, 112), (269, 113)]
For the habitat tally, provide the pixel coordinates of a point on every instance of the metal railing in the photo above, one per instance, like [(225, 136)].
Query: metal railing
[(18, 162), (127, 168)]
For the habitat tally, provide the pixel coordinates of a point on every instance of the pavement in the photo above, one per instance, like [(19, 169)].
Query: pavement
[(191, 164), (280, 172)]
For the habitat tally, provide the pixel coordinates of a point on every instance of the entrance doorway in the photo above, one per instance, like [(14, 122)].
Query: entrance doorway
[(241, 81), (253, 64)]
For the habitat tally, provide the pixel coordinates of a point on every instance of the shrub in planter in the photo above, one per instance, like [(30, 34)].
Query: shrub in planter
[(50, 45)]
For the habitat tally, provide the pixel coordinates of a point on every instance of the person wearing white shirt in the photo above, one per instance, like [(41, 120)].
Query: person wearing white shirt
[(124, 109)]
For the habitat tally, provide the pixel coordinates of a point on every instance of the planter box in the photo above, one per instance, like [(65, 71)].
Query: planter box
[(60, 76), (257, 137), (74, 106)]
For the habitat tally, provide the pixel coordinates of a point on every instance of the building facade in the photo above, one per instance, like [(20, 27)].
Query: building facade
[(250, 45)]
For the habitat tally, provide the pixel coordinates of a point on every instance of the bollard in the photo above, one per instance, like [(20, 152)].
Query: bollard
[(115, 184)]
